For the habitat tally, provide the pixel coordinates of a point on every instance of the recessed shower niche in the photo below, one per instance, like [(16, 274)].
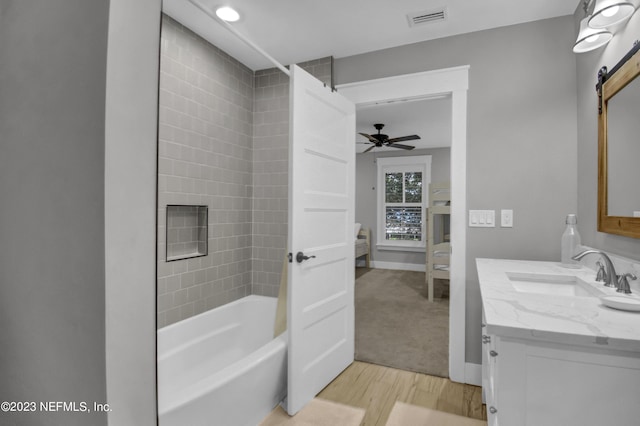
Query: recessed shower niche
[(187, 231)]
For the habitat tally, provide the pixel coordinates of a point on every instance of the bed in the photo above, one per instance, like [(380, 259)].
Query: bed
[(438, 241), (362, 243)]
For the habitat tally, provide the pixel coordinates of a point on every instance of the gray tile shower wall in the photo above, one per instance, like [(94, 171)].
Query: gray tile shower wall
[(270, 172), (270, 176), (205, 158), (223, 143)]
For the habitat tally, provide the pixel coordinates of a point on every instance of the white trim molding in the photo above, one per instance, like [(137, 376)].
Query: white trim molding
[(131, 141), (473, 374), (397, 266), (424, 85)]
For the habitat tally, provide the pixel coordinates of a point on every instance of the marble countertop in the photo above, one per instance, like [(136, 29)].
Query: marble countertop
[(561, 319)]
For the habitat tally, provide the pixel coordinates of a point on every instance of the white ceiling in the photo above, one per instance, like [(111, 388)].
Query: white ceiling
[(299, 30), (430, 119), (293, 31)]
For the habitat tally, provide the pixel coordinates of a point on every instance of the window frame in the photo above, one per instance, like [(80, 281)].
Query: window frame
[(403, 164)]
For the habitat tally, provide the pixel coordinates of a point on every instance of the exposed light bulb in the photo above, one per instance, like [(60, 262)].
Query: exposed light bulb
[(610, 11), (592, 39), (227, 14)]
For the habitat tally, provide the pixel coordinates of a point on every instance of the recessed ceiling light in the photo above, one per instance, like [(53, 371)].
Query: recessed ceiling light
[(228, 14)]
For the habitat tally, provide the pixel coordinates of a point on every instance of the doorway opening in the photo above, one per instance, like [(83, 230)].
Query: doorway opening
[(452, 82), (396, 323)]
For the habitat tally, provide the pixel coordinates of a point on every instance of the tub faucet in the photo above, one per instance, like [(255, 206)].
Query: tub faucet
[(610, 276)]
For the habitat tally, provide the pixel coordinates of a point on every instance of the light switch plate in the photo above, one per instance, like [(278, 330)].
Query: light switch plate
[(482, 218), (506, 218)]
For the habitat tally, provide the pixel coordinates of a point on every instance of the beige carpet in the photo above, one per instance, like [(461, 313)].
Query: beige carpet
[(404, 414), (318, 412), (396, 326)]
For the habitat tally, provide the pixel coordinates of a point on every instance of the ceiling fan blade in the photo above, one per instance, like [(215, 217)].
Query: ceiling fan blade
[(364, 143), (402, 138), (371, 138), (397, 145), (369, 149)]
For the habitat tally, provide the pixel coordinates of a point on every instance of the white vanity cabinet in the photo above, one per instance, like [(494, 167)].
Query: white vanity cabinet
[(489, 375), (537, 383), (557, 362)]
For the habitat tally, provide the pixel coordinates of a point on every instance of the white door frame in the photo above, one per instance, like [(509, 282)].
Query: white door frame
[(453, 81)]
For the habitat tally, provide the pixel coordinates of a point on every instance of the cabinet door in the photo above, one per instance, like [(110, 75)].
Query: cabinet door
[(489, 372), (580, 387), (485, 361), (538, 383), (490, 354)]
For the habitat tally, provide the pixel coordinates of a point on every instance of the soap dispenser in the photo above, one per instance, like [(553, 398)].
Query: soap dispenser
[(570, 243)]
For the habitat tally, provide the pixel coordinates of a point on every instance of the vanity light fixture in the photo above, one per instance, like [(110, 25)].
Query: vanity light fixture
[(228, 14), (590, 38), (610, 12)]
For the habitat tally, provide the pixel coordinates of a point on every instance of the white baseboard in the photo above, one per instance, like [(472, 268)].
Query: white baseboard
[(398, 266), (473, 374)]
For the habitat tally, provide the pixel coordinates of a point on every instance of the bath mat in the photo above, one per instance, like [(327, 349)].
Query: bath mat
[(318, 412), (405, 414)]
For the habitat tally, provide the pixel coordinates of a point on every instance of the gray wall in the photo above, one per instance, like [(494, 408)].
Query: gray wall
[(205, 158), (366, 197), (52, 242), (588, 65), (521, 135), (77, 180)]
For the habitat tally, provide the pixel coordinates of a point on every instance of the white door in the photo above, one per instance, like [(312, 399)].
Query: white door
[(320, 307)]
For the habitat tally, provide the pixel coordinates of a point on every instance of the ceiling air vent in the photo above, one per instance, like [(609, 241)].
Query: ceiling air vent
[(426, 17)]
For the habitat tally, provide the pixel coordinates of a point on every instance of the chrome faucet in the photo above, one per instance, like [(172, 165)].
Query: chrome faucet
[(623, 283), (610, 276)]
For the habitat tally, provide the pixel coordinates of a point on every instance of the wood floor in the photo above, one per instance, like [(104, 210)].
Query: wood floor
[(376, 389)]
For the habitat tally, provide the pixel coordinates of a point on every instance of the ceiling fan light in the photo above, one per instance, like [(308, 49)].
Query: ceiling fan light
[(589, 38), (380, 140), (610, 12)]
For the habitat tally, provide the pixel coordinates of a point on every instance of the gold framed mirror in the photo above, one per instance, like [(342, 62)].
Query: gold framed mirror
[(619, 147)]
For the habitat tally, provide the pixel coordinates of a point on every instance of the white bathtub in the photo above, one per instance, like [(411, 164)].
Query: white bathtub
[(222, 367)]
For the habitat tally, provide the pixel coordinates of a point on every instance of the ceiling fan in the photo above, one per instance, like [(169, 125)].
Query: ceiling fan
[(379, 140)]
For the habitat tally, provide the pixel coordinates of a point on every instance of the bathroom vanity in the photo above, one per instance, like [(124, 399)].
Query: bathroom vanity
[(553, 353)]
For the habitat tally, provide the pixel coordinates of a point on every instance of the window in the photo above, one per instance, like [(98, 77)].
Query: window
[(402, 184)]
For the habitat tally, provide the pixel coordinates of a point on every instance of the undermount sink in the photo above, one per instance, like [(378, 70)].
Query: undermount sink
[(552, 285)]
